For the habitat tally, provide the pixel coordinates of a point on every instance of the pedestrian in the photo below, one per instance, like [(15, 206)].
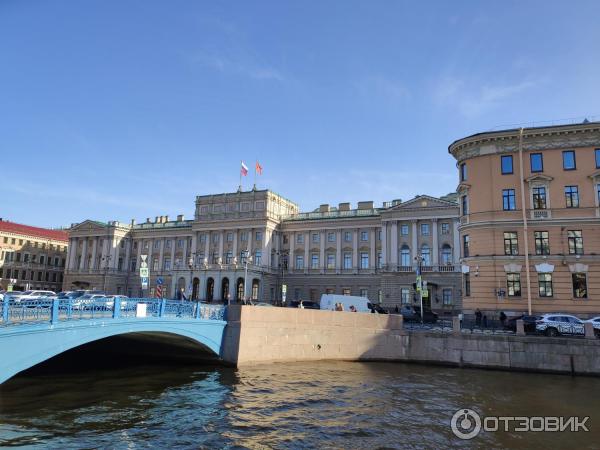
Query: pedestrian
[(352, 308), (502, 318), (485, 324), (478, 317), (396, 309)]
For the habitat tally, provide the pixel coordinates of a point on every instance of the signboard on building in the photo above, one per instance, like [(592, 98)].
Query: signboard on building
[(144, 272)]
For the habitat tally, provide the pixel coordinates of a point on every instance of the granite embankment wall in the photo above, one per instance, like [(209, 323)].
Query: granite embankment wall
[(260, 335)]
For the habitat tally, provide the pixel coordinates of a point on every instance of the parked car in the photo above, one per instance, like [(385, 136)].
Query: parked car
[(595, 321), (89, 301), (557, 324), (413, 314), (348, 302), (529, 322), (18, 297), (375, 308), (305, 304)]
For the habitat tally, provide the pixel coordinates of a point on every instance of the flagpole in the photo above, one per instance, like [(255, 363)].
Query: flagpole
[(255, 176)]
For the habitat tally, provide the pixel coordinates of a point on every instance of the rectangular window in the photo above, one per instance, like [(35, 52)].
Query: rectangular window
[(513, 284), (569, 160), (314, 261), (467, 281), (536, 161), (299, 262), (258, 235), (572, 196), (539, 197), (597, 156), (229, 257), (331, 261), (575, 240), (229, 237), (405, 296), (315, 238), (347, 260), (180, 243), (300, 239), (445, 228), (425, 229), (156, 245), (545, 284), (464, 201), (257, 257), (579, 285), (347, 236), (404, 230), (447, 297), (331, 237), (507, 164), (463, 172), (508, 200), (364, 236), (511, 244), (167, 264), (244, 236), (346, 291), (364, 260), (466, 246), (542, 242)]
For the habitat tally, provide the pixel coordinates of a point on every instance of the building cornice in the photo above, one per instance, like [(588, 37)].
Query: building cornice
[(534, 139)]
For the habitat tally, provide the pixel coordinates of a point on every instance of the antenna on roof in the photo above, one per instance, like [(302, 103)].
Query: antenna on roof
[(586, 121)]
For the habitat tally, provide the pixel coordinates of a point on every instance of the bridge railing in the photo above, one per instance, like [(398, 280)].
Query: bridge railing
[(58, 310)]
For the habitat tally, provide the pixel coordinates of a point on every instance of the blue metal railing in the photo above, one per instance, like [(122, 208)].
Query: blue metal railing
[(59, 310)]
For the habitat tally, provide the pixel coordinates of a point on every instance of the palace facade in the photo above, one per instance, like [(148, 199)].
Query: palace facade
[(261, 237), (31, 257), (530, 219)]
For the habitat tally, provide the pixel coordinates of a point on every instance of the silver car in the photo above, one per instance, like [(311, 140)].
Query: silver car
[(560, 324)]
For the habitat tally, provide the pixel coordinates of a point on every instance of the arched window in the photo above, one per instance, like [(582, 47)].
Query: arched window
[(405, 256), (446, 254), (426, 255)]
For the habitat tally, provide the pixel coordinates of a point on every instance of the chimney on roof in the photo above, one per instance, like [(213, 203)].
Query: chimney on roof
[(365, 205), (324, 208), (132, 222), (344, 207), (166, 219), (180, 218), (147, 219)]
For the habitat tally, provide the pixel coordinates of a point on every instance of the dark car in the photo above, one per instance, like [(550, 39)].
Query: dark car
[(375, 308), (528, 323), (413, 314), (305, 304)]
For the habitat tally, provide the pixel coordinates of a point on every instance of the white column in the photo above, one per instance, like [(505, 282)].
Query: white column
[(373, 262), (292, 261), (94, 252), (322, 237), (434, 241), (414, 249), (394, 245), (267, 248), (103, 257), (127, 254), (384, 251), (235, 246), (249, 248), (456, 240), (184, 254), (194, 244), (355, 250), (161, 254), (83, 254), (116, 250), (221, 243), (173, 246), (207, 247), (338, 256), (71, 251), (306, 252)]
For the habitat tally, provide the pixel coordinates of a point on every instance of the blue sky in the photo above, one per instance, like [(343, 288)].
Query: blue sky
[(115, 110)]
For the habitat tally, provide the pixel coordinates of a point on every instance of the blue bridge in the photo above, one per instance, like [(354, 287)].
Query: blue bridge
[(32, 331)]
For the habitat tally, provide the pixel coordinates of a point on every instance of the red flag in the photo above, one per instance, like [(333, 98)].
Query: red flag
[(244, 169), (258, 168)]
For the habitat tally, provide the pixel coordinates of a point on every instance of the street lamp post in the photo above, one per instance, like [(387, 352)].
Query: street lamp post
[(106, 260), (247, 259), (419, 282), (191, 266)]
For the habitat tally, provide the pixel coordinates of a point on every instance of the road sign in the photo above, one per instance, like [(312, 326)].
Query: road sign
[(9, 288), (144, 272), (283, 288), (143, 264), (418, 283), (159, 281), (144, 282), (425, 293)]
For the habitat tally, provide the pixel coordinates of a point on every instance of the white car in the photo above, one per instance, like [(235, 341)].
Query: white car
[(557, 324), (29, 295), (89, 301)]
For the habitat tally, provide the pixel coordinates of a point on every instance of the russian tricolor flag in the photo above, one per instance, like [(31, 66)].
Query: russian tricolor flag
[(244, 169)]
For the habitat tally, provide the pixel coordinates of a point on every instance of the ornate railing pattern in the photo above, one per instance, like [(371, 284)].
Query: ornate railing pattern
[(57, 310)]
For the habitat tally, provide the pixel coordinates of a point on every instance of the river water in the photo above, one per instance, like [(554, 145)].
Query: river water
[(300, 405)]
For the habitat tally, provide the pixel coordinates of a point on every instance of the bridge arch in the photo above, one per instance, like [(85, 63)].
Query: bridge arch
[(23, 347)]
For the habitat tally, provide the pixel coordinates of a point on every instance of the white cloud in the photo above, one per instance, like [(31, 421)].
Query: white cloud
[(234, 66), (472, 101)]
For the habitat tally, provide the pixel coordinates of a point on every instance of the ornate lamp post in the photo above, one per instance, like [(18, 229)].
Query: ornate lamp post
[(419, 261), (191, 266), (247, 260), (106, 259)]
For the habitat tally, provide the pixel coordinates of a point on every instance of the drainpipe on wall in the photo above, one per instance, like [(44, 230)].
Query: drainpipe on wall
[(524, 210)]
